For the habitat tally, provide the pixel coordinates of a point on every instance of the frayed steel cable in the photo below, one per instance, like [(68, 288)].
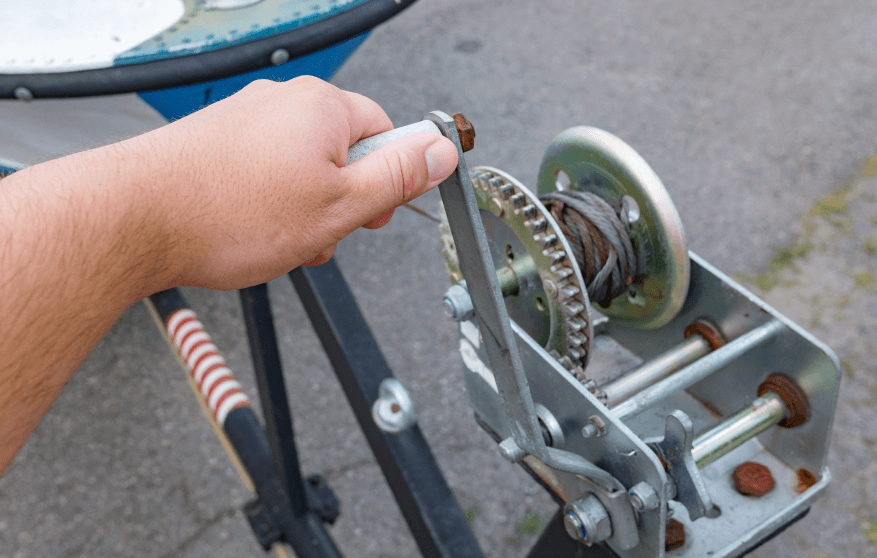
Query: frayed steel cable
[(600, 241)]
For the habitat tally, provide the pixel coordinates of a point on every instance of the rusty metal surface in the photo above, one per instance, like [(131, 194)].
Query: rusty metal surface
[(806, 480), (708, 331), (792, 395), (674, 534), (752, 479), (465, 130)]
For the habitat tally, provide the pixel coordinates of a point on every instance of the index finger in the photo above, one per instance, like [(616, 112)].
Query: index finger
[(366, 117)]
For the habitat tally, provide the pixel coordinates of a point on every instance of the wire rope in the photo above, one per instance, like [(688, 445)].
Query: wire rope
[(600, 240)]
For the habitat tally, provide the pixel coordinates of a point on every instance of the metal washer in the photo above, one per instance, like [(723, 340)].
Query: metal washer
[(598, 162)]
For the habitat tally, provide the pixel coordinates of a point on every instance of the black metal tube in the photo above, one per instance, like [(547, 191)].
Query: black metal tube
[(424, 497), (306, 533), (272, 393)]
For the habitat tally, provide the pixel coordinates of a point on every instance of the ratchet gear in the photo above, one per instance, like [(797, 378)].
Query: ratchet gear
[(543, 287)]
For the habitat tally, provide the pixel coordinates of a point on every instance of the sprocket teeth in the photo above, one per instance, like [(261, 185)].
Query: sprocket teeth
[(576, 340), (574, 307), (506, 191), (528, 211), (548, 241), (538, 225), (557, 257), (570, 291), (518, 200)]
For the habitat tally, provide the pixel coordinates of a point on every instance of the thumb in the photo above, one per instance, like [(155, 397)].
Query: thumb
[(399, 172)]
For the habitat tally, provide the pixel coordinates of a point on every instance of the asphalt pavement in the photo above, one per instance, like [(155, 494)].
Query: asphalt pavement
[(761, 120)]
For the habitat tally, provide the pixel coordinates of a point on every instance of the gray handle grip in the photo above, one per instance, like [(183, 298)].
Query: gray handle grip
[(365, 146)]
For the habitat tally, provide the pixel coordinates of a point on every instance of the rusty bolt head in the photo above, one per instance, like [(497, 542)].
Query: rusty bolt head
[(675, 534), (465, 131), (753, 479)]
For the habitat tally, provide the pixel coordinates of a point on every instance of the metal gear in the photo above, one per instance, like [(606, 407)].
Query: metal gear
[(543, 287)]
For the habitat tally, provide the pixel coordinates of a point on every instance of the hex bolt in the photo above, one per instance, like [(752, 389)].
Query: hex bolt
[(465, 131), (509, 449), (643, 497), (752, 479), (587, 521), (596, 427), (458, 303)]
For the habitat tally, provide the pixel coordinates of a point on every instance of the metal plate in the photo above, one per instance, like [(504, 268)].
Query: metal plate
[(596, 161), (619, 451)]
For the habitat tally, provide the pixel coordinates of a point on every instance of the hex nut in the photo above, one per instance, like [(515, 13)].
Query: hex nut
[(587, 521), (465, 131), (643, 497), (753, 479), (458, 304), (675, 534)]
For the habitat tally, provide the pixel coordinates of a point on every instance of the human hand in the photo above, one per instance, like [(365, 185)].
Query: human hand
[(258, 184)]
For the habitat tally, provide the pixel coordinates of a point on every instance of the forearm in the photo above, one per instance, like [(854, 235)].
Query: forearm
[(233, 195), (80, 243)]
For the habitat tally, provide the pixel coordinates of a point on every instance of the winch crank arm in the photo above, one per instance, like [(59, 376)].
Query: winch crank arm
[(483, 285), (477, 266)]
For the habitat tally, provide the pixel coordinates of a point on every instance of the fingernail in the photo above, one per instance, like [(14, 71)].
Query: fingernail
[(441, 160)]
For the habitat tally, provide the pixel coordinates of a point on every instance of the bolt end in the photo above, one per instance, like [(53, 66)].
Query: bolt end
[(458, 304), (465, 131), (511, 451), (574, 527), (590, 430)]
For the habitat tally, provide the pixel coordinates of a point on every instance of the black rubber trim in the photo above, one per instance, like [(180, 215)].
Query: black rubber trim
[(205, 66)]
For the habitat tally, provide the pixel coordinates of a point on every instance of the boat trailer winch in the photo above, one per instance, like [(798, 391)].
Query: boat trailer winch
[(668, 409)]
